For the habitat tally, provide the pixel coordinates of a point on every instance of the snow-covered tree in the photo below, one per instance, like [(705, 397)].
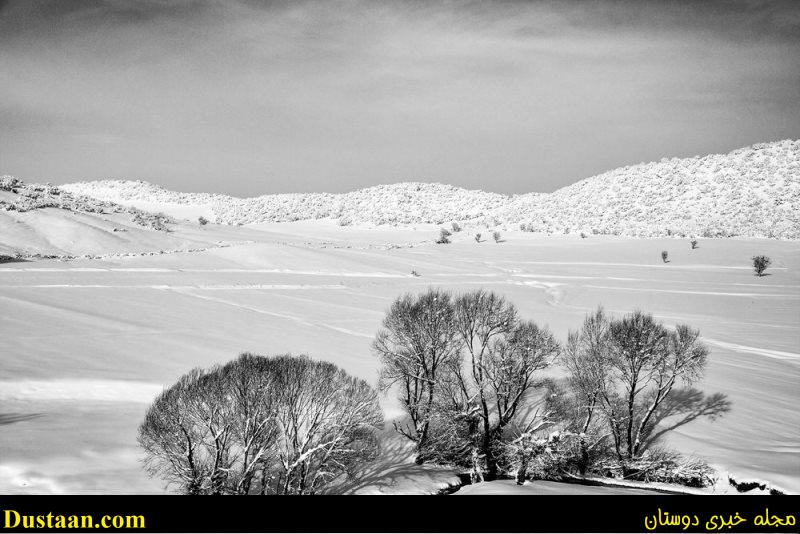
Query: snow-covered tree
[(416, 347), (260, 425), (627, 369), (501, 356), (585, 357), (462, 368), (327, 421)]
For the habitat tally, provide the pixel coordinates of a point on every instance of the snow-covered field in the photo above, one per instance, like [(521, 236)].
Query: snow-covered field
[(87, 343)]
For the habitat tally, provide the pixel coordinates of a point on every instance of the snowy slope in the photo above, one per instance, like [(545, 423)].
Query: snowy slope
[(750, 192), (753, 191), (44, 221), (74, 332)]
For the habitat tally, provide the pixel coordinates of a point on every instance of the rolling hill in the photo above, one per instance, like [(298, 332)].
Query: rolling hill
[(749, 192)]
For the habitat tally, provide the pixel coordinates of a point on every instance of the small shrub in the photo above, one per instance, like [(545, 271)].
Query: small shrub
[(665, 256), (478, 237), (745, 486), (583, 235), (202, 220), (9, 183), (760, 264), (156, 221), (444, 236), (456, 227), (496, 236), (5, 258), (694, 243), (670, 467)]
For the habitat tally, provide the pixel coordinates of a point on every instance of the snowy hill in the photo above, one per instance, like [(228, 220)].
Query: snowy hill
[(45, 221), (750, 192)]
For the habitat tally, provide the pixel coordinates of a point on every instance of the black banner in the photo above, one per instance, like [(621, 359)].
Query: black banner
[(491, 513)]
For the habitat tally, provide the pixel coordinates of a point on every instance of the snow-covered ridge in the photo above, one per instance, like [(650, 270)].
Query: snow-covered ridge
[(749, 192)]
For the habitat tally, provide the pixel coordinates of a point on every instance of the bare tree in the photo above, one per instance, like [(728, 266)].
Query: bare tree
[(760, 264), (628, 368), (260, 425), (172, 440), (462, 369), (585, 357), (502, 355), (416, 348), (455, 424), (511, 369), (327, 419), (483, 320), (623, 383), (252, 389)]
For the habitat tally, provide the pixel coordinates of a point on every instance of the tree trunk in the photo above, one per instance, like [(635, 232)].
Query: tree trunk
[(583, 463), (522, 470), (193, 487), (422, 438), (488, 453), (476, 474), (486, 445)]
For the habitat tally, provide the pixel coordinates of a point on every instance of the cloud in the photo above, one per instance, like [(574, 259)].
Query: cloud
[(304, 96)]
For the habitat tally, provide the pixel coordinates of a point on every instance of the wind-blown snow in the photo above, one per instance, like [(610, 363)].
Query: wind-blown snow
[(750, 192)]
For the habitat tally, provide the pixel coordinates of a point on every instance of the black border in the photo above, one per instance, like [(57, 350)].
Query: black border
[(489, 513)]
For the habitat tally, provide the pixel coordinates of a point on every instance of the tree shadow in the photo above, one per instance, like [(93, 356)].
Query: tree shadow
[(11, 418), (683, 406), (394, 471)]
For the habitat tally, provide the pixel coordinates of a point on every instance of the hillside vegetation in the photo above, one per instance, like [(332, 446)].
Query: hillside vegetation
[(44, 221), (750, 192)]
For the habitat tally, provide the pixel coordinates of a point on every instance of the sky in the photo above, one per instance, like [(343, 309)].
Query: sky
[(248, 97)]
